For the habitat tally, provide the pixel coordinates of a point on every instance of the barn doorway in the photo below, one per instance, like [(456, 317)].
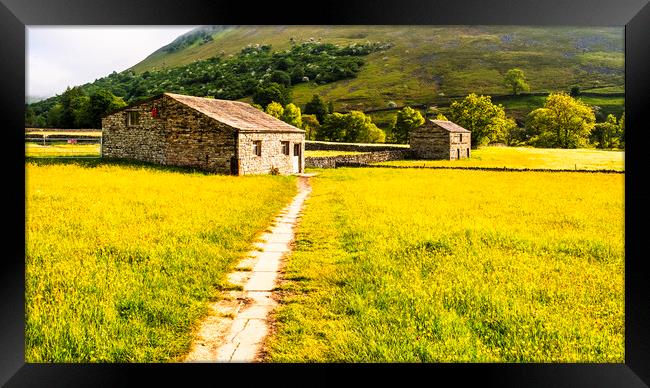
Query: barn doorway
[(297, 152), (234, 166), (457, 153)]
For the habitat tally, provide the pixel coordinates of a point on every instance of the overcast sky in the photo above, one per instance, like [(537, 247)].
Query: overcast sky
[(61, 56)]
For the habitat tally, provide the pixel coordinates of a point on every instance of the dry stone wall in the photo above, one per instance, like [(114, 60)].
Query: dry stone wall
[(371, 157), (332, 146)]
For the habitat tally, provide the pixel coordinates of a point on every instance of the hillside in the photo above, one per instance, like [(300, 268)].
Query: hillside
[(427, 64), (370, 68)]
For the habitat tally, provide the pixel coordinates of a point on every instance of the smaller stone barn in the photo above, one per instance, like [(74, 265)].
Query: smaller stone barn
[(440, 139), (222, 136)]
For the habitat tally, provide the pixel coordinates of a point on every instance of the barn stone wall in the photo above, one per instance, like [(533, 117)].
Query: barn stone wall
[(432, 142), (144, 142), (272, 155), (195, 140), (178, 136)]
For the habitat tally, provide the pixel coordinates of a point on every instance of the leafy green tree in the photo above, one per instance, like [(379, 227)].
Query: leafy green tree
[(72, 102), (55, 116), (622, 124), (272, 92), (292, 115), (333, 127), (281, 78), (316, 106), (407, 120), (487, 121), (354, 126), (100, 103), (330, 106), (516, 80), (275, 109), (440, 116), (311, 126), (563, 122), (607, 134)]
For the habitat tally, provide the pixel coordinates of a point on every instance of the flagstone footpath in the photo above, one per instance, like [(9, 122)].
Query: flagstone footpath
[(236, 325)]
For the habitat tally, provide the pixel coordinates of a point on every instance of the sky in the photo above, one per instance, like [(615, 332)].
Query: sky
[(61, 56)]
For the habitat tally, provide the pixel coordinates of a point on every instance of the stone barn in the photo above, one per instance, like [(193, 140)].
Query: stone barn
[(221, 136), (440, 139)]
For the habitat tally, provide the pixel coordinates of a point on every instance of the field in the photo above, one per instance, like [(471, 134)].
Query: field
[(530, 158), (455, 266), (62, 150), (319, 153), (121, 259)]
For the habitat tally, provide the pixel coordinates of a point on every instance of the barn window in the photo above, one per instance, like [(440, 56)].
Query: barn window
[(461, 137), (132, 118), (468, 152), (285, 147), (257, 147)]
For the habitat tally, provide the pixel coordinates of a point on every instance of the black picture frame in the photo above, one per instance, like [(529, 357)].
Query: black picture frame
[(633, 14)]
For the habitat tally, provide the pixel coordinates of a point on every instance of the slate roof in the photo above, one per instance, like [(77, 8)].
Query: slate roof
[(449, 126), (236, 114)]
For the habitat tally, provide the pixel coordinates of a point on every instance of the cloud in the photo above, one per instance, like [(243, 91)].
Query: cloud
[(61, 56)]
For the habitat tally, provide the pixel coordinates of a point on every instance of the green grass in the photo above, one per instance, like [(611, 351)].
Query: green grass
[(320, 153), (122, 259), (455, 266), (62, 150), (530, 158)]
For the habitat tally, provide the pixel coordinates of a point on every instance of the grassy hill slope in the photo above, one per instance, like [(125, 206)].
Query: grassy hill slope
[(429, 64)]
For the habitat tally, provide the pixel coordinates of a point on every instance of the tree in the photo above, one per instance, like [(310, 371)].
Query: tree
[(440, 116), (100, 103), (275, 109), (354, 126), (72, 103), (316, 107), (575, 91), (607, 134), (407, 120), (330, 106), (487, 121), (622, 124), (516, 80), (563, 122), (272, 92), (311, 126), (333, 127), (281, 78), (292, 115)]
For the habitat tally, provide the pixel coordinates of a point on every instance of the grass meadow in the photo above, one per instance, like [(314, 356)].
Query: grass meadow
[(320, 153), (62, 150), (530, 158), (121, 259), (455, 266)]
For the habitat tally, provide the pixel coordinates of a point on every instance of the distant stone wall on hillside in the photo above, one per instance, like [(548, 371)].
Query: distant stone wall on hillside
[(333, 146), (371, 157)]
